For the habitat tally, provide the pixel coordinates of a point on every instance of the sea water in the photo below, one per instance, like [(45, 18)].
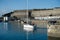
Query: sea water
[(15, 31)]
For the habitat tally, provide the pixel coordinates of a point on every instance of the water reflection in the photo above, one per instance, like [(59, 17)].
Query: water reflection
[(28, 32), (18, 24), (5, 27)]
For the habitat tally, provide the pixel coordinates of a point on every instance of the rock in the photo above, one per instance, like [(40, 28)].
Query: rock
[(53, 30)]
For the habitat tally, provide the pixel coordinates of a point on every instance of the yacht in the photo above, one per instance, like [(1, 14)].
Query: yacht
[(27, 26)]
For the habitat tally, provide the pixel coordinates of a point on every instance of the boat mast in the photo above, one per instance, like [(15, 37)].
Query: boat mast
[(27, 18), (27, 11)]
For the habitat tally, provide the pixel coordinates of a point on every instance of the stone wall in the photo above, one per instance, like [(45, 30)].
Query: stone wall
[(54, 30), (45, 12), (37, 13), (19, 14)]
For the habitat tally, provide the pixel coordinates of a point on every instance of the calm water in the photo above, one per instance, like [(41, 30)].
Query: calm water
[(15, 31)]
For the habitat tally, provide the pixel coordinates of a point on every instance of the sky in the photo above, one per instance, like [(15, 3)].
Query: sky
[(7, 6)]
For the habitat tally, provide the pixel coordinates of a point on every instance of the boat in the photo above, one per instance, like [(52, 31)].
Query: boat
[(27, 26)]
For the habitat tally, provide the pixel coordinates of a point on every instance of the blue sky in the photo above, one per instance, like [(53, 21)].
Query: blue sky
[(10, 5)]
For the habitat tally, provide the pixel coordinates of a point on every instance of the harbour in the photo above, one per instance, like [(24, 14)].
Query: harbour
[(15, 31), (29, 20)]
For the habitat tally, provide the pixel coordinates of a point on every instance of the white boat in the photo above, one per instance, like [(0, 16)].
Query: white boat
[(28, 27)]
